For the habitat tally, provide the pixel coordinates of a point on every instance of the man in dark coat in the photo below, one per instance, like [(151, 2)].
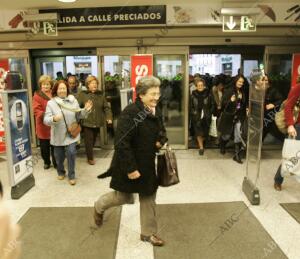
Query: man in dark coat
[(139, 135)]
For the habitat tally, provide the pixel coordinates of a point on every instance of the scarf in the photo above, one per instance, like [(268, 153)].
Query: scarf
[(67, 103)]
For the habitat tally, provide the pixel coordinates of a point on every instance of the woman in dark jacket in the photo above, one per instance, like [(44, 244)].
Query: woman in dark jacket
[(140, 134), (234, 106), (100, 114), (273, 100), (200, 113)]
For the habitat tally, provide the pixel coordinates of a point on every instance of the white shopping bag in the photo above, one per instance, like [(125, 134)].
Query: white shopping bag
[(291, 158), (213, 127)]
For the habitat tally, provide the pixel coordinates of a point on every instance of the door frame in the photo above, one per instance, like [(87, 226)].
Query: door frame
[(155, 50), (101, 52), (176, 50), (271, 50), (38, 61)]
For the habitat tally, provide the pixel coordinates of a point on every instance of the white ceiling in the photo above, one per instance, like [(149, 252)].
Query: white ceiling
[(46, 4)]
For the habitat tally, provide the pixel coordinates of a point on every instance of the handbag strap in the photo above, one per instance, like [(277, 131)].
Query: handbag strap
[(168, 150), (63, 115)]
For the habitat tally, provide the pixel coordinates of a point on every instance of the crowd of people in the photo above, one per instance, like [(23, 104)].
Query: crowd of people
[(57, 106), (227, 99), (223, 97)]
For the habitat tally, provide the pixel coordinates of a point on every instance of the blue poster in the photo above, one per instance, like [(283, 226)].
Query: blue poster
[(17, 132), (19, 126)]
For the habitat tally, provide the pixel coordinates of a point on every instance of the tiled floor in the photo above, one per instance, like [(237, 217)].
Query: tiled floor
[(211, 178)]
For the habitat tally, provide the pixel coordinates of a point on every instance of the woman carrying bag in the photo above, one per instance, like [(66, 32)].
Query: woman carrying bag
[(293, 126), (140, 134), (61, 112)]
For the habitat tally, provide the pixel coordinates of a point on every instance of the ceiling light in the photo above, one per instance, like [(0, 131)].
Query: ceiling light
[(67, 1)]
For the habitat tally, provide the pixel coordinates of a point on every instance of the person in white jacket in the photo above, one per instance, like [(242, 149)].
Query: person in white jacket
[(61, 111)]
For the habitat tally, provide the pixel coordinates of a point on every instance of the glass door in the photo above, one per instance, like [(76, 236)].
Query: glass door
[(278, 62), (52, 66), (115, 84), (170, 66)]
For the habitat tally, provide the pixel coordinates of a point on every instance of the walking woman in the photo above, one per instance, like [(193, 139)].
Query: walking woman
[(292, 124), (200, 113), (100, 114), (234, 106), (273, 100), (140, 134), (40, 100), (61, 111)]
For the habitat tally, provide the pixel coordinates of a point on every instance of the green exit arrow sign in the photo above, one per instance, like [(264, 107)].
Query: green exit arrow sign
[(239, 23)]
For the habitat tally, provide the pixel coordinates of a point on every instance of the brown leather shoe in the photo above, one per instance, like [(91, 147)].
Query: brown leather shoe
[(72, 181), (153, 239), (277, 186), (98, 218), (91, 162)]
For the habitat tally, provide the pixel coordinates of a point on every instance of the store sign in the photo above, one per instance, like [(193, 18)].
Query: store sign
[(141, 65), (296, 68), (50, 28), (17, 135), (4, 66), (106, 16), (244, 23)]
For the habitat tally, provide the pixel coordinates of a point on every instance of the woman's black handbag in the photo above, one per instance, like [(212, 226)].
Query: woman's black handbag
[(167, 171)]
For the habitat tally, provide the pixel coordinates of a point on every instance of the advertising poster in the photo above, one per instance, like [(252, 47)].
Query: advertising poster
[(296, 68), (141, 65), (4, 66), (17, 131)]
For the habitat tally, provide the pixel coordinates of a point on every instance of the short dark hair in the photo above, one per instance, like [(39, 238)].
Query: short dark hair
[(55, 87)]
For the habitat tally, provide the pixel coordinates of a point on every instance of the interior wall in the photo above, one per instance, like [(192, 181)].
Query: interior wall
[(150, 36)]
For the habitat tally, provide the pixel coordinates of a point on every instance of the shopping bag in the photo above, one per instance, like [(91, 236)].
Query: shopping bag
[(213, 127), (167, 171), (291, 158)]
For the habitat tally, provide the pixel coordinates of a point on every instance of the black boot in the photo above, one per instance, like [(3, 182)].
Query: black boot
[(237, 150), (222, 146)]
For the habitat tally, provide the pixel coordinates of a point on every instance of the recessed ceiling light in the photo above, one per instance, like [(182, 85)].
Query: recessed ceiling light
[(67, 1)]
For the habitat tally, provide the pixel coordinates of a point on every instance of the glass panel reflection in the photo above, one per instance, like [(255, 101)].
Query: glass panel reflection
[(170, 70), (116, 86)]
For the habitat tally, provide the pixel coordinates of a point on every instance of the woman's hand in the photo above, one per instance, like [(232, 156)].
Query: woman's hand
[(109, 121), (9, 233), (292, 131), (134, 175), (88, 105), (57, 117), (270, 106), (158, 145), (233, 98)]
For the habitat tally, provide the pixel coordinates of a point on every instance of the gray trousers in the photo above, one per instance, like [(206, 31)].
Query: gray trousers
[(147, 208)]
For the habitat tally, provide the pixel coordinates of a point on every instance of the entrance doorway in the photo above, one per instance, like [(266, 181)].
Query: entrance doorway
[(212, 62), (169, 65)]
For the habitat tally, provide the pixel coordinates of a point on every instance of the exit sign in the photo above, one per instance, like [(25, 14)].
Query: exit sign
[(239, 23)]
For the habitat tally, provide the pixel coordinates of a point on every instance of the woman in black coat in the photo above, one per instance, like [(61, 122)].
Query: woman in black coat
[(140, 134), (234, 104), (200, 113), (273, 100)]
